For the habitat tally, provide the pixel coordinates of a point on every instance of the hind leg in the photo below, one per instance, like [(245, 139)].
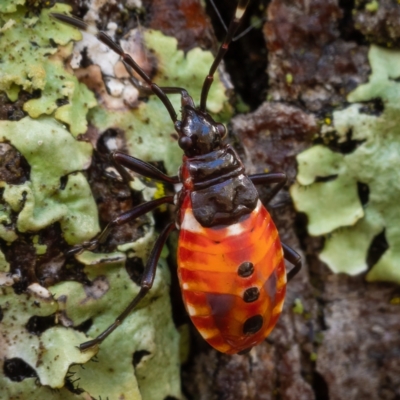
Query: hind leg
[(145, 285), (294, 258)]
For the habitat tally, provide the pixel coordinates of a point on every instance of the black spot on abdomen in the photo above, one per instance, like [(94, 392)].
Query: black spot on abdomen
[(253, 324), (251, 294), (245, 269)]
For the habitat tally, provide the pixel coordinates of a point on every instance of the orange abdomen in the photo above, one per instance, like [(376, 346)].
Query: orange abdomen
[(232, 277)]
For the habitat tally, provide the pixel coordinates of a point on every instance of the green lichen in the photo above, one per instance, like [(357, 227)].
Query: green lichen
[(4, 265), (40, 248), (49, 354), (9, 6), (28, 62), (48, 146), (372, 6), (333, 206), (78, 97), (298, 307), (6, 232), (289, 79)]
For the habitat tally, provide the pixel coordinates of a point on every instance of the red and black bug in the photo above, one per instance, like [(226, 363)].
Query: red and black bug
[(230, 259)]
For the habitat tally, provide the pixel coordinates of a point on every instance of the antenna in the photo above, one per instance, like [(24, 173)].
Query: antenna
[(241, 34), (233, 26)]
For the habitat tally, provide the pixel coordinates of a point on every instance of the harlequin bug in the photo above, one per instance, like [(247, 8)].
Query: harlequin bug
[(230, 259)]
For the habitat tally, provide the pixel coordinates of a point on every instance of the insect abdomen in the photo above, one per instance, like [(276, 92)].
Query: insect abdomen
[(233, 279)]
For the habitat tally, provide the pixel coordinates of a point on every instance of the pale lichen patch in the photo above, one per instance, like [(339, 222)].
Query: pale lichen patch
[(332, 203)]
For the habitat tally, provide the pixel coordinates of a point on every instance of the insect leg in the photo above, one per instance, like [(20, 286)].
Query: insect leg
[(141, 167), (294, 258), (145, 285), (127, 216), (265, 179), (240, 35)]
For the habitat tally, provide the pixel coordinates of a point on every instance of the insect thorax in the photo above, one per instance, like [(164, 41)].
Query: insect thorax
[(219, 189)]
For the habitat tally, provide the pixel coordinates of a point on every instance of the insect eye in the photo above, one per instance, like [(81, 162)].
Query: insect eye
[(221, 130), (185, 142)]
